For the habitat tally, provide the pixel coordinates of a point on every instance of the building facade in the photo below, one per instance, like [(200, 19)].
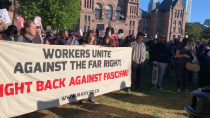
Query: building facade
[(207, 22), (167, 19), (187, 4), (13, 7), (120, 16), (152, 5)]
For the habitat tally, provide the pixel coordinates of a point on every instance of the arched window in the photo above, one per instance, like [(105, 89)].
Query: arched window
[(108, 12), (174, 22), (98, 10), (118, 14)]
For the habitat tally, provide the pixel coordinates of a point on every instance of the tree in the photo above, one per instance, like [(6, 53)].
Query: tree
[(206, 34), (193, 31), (5, 4), (55, 13)]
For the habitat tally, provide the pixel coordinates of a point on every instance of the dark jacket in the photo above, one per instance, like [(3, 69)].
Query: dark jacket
[(204, 61), (8, 38), (160, 53)]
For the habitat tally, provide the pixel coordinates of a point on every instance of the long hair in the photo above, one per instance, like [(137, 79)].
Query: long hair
[(184, 42), (89, 36), (63, 33)]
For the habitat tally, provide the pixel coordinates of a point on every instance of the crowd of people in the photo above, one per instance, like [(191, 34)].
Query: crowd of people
[(177, 53)]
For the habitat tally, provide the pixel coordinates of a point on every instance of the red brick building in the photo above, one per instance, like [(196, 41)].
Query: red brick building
[(96, 15), (168, 19)]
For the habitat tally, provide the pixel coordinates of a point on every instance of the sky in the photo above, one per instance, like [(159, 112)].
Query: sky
[(200, 9)]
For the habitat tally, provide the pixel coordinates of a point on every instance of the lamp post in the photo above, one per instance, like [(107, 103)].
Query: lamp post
[(109, 32)]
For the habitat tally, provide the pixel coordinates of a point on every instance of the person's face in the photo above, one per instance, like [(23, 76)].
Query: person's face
[(140, 38), (58, 36), (107, 40), (66, 34), (92, 38), (32, 29), (14, 31), (161, 39), (39, 30)]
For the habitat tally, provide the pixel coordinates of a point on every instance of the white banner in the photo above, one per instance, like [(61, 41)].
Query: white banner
[(4, 16), (35, 76)]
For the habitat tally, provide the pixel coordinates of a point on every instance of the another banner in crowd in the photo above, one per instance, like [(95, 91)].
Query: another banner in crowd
[(20, 23), (114, 40), (34, 76), (37, 21), (4, 16)]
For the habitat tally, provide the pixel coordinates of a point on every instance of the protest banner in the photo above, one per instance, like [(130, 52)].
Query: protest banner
[(35, 77), (20, 23), (114, 40), (37, 21), (4, 16)]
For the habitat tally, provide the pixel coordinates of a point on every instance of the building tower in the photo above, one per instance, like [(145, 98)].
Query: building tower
[(152, 5), (187, 4), (207, 22)]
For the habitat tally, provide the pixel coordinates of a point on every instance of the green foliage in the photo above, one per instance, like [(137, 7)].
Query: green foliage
[(206, 34), (5, 4), (193, 31), (204, 40), (55, 13)]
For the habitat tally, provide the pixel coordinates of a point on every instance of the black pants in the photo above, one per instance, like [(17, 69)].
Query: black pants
[(190, 76), (182, 75), (204, 79), (137, 68)]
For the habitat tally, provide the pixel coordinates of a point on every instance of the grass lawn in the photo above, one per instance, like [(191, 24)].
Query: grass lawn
[(152, 103)]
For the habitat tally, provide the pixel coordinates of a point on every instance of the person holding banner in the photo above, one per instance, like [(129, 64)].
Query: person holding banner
[(64, 39), (73, 40), (138, 57), (11, 33), (29, 32), (106, 42), (90, 41)]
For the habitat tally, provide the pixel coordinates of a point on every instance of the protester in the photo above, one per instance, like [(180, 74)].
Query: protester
[(127, 41), (11, 33), (83, 39), (204, 68), (63, 40), (160, 57), (90, 41), (138, 57), (106, 42), (73, 40), (151, 44), (29, 32), (184, 55), (39, 30)]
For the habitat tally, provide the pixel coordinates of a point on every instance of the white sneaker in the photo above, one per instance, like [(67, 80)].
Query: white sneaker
[(178, 90), (186, 90)]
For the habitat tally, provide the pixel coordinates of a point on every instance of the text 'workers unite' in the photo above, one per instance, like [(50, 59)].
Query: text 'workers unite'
[(75, 53)]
